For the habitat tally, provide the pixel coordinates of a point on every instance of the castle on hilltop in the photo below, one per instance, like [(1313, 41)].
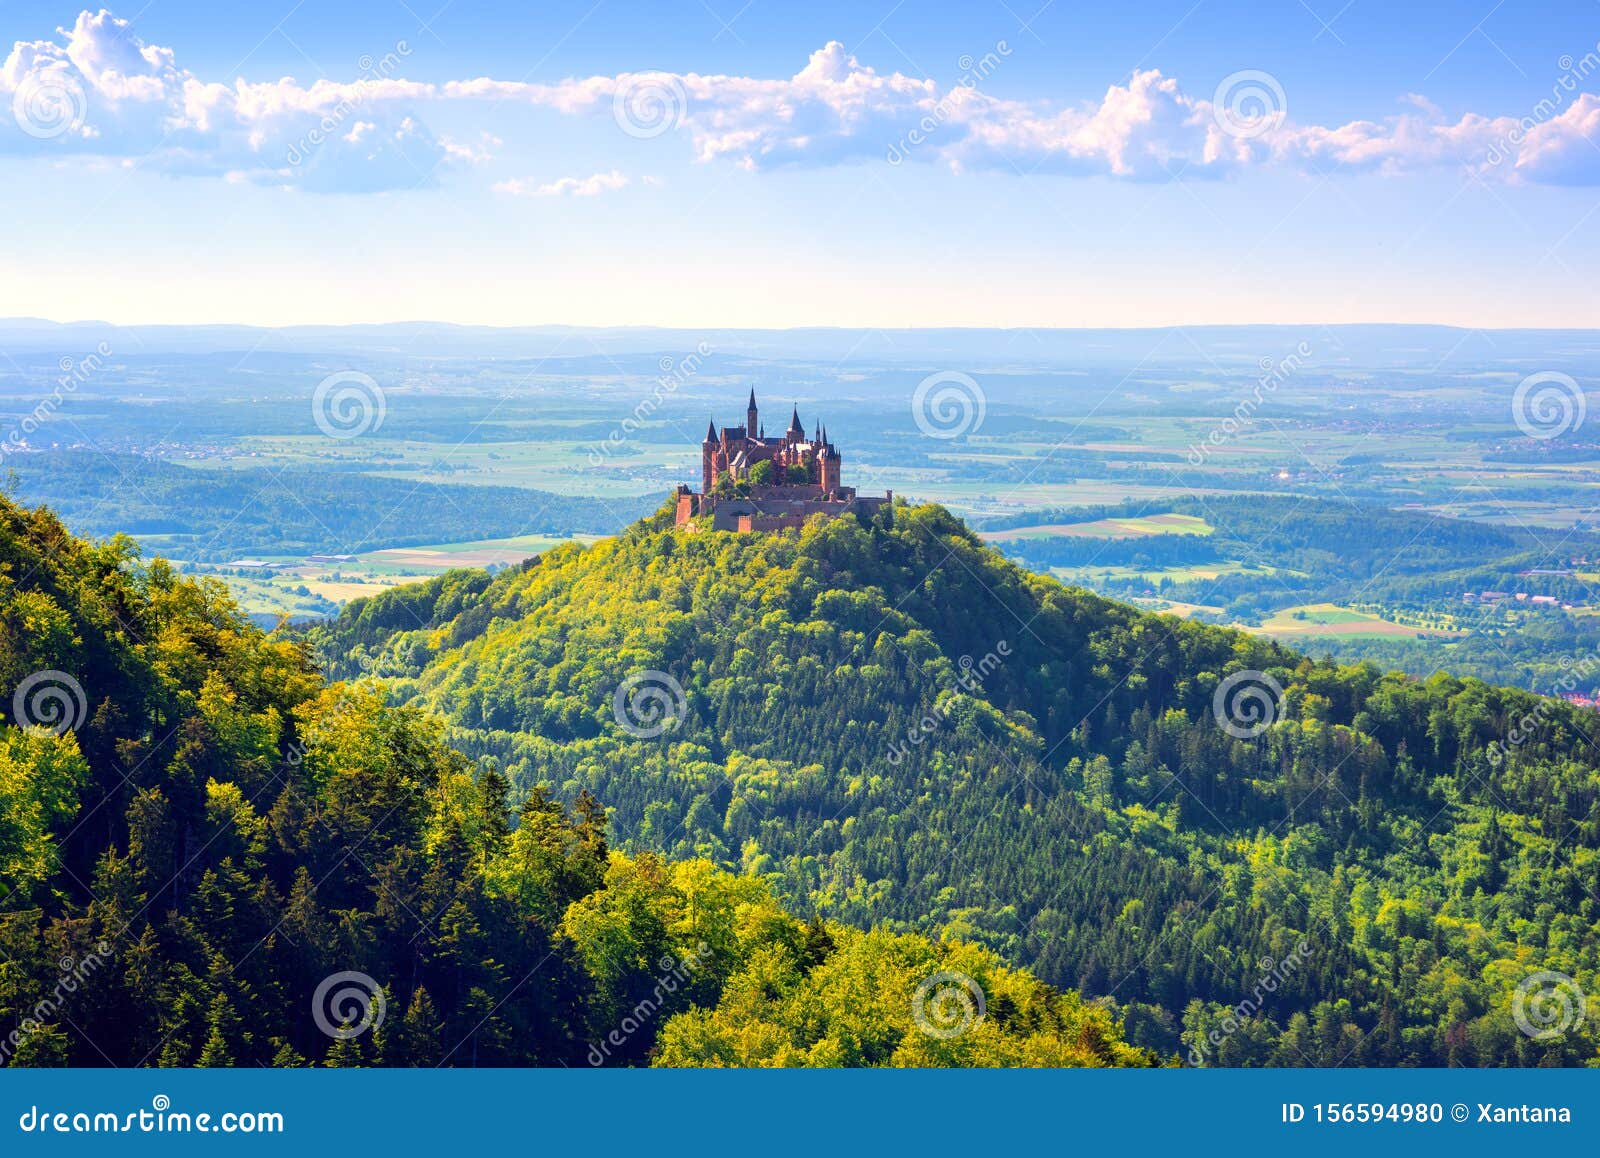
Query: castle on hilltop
[(749, 482)]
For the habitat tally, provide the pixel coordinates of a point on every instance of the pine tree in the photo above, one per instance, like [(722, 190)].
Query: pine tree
[(224, 1032), (346, 1051)]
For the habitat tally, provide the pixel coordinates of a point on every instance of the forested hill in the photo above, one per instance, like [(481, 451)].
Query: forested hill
[(209, 856), (893, 724)]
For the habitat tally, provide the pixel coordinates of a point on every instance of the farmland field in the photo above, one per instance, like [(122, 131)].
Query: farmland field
[(1128, 528), (1325, 620)]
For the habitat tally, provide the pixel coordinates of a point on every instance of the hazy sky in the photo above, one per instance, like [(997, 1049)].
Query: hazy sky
[(857, 164)]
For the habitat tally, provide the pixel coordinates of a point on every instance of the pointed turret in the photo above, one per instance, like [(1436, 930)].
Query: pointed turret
[(711, 430), (796, 431), (750, 415)]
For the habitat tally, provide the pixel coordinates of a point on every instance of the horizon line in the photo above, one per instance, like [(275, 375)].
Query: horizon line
[(798, 328)]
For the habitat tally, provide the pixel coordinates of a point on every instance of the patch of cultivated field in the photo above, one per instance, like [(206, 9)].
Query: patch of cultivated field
[(1175, 607), (1131, 528), (341, 591), (1330, 621), (1202, 572), (482, 553), (266, 597)]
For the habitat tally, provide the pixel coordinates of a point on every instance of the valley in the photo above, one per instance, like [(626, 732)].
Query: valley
[(986, 717), (584, 436)]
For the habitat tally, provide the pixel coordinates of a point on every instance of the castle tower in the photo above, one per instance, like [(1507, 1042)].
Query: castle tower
[(750, 426), (708, 455), (796, 432), (829, 466)]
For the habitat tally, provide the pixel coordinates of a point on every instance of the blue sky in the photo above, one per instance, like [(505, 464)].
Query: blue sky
[(866, 164)]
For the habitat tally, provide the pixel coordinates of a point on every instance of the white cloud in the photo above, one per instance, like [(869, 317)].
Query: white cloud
[(566, 186), (1546, 147), (100, 90), (836, 109)]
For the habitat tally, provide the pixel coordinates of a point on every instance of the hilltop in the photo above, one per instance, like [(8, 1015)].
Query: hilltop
[(210, 856), (893, 725)]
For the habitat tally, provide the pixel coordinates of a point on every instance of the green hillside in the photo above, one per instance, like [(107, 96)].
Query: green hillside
[(209, 856), (897, 727)]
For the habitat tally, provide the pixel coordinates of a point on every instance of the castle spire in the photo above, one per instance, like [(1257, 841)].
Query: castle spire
[(711, 430), (795, 428), (750, 415)]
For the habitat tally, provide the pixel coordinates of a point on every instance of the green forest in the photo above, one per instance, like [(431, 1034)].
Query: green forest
[(899, 730), (198, 833)]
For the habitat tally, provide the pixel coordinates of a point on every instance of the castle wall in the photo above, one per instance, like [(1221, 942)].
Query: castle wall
[(787, 492), (768, 514)]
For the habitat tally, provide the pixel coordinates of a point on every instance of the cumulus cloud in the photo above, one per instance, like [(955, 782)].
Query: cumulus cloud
[(567, 186), (1546, 147), (99, 89)]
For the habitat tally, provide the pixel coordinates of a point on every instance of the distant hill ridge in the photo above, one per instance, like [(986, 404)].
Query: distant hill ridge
[(1371, 344)]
